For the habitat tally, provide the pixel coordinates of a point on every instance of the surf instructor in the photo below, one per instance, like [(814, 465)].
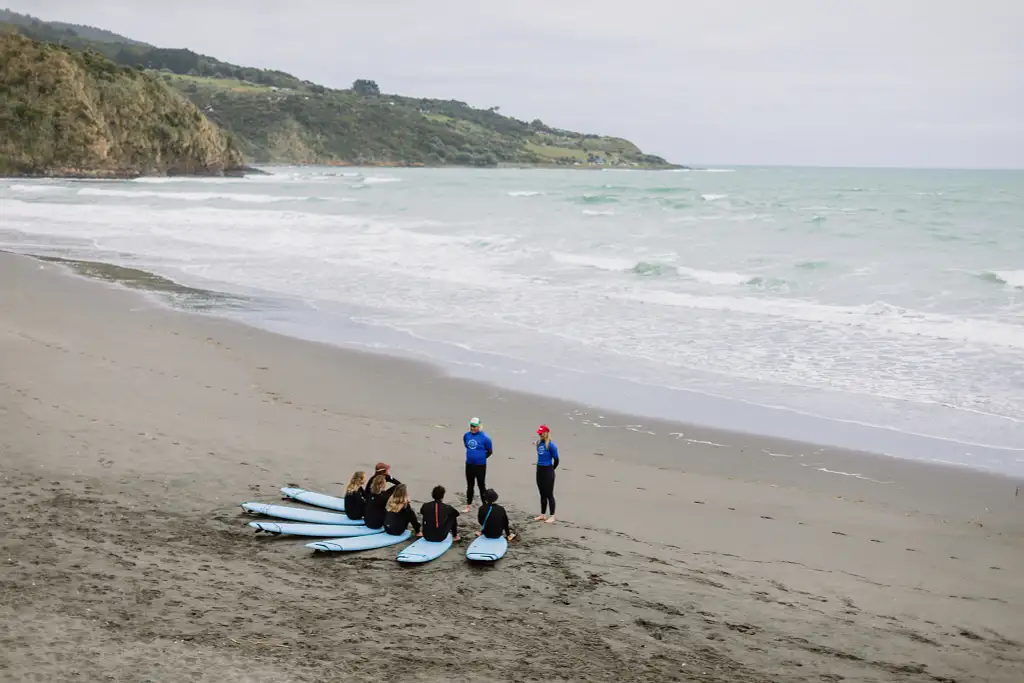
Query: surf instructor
[(478, 449), (547, 463)]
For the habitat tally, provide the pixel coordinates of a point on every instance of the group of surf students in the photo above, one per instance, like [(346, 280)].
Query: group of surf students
[(382, 502)]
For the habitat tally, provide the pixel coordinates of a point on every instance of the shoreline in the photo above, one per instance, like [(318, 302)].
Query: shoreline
[(130, 432), (123, 174), (254, 168), (209, 304), (633, 401)]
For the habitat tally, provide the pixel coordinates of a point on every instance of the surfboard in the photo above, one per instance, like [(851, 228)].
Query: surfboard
[(424, 550), (321, 500), (321, 530), (344, 545), (485, 549), (301, 514)]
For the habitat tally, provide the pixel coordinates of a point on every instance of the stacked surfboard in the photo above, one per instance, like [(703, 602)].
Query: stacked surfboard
[(343, 534)]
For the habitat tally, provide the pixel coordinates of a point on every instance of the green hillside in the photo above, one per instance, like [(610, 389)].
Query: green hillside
[(275, 117)]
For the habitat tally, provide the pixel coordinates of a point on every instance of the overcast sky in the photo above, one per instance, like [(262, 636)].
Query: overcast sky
[(818, 82)]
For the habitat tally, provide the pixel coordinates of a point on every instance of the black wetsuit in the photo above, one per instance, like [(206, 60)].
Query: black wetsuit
[(547, 463), (395, 523), (387, 477), (546, 486), (494, 521), (355, 503), (375, 512), (439, 520)]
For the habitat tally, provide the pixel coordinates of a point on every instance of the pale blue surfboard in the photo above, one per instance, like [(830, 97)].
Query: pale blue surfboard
[(344, 545), (301, 514), (321, 530), (485, 549), (424, 550), (321, 500)]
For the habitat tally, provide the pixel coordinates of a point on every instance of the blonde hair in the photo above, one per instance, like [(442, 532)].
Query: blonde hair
[(546, 438), (399, 499), (356, 482), (378, 483)]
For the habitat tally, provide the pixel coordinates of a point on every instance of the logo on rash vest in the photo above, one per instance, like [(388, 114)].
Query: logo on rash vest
[(541, 449), (471, 444)]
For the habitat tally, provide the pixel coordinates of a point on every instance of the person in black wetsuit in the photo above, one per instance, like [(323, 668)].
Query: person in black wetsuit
[(381, 468), (376, 504), (493, 518), (398, 513), (547, 463), (439, 518), (355, 496)]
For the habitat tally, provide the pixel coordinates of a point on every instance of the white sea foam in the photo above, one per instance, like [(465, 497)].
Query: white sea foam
[(854, 475), (1011, 278), (376, 180), (879, 316), (592, 212), (712, 197), (525, 193), (35, 189), (191, 196), (714, 277), (593, 261), (702, 170)]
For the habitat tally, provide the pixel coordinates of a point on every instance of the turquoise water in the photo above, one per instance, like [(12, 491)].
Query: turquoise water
[(866, 308)]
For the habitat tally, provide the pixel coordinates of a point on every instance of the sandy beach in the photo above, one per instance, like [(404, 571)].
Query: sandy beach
[(129, 434)]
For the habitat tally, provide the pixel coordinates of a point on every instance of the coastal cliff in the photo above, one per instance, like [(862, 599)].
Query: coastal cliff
[(65, 112)]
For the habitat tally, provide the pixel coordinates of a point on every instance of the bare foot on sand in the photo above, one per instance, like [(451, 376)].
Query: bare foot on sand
[(539, 518), (467, 508), (549, 520)]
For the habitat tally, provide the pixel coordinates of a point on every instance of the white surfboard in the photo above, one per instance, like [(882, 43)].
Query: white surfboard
[(301, 514), (344, 545), (321, 530), (320, 500), (485, 549), (424, 550)]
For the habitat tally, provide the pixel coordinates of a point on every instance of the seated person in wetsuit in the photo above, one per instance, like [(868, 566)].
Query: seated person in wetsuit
[(376, 504), (399, 515), (385, 469), (493, 518), (439, 518), (356, 495)]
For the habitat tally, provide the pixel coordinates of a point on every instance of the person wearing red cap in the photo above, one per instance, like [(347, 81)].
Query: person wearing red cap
[(547, 463), (381, 468)]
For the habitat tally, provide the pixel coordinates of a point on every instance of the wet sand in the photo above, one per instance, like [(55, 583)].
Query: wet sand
[(129, 433)]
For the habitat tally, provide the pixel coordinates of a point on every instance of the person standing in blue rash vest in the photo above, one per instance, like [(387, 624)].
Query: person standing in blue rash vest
[(547, 463), (478, 449)]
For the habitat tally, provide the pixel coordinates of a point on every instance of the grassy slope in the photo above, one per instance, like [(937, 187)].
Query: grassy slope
[(276, 117), (65, 112)]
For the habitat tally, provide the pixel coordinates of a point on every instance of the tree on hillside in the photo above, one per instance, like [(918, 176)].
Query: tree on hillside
[(366, 87)]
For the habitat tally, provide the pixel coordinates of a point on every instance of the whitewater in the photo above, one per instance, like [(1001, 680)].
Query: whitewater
[(875, 309)]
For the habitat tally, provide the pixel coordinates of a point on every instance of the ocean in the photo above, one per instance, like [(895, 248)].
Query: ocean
[(873, 309)]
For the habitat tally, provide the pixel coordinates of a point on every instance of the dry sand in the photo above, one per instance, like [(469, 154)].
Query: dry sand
[(129, 434)]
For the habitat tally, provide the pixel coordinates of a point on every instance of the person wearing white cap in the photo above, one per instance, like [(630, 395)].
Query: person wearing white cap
[(478, 449)]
